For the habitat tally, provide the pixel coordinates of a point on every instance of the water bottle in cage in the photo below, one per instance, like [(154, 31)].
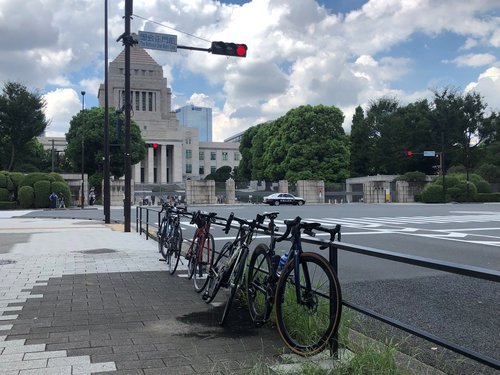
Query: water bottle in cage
[(283, 260)]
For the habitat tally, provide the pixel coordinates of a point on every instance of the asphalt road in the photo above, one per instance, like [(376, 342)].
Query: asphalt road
[(460, 309)]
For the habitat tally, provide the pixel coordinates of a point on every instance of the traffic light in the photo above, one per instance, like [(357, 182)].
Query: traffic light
[(229, 49), (409, 153), (152, 145)]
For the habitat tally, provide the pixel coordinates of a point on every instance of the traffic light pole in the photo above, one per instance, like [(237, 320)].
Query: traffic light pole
[(127, 40), (106, 197)]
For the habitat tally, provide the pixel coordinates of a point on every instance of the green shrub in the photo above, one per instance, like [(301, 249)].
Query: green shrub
[(31, 178), (412, 177), (3, 181), (8, 205), (457, 169), (488, 197), (42, 192), (450, 180), (474, 178), (489, 172), (16, 178), (483, 187), (460, 193), (4, 195), (56, 177), (26, 196), (432, 193)]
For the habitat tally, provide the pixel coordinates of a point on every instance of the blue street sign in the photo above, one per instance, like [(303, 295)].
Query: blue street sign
[(430, 153), (162, 42)]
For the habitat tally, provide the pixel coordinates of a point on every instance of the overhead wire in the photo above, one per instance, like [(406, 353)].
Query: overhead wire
[(171, 28)]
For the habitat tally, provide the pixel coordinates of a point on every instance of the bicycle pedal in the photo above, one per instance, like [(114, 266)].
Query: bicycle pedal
[(162, 260)]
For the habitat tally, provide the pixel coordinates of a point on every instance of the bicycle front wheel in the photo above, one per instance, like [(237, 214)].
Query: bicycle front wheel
[(174, 250), (307, 326), (259, 272), (217, 272), (204, 260), (234, 281), (162, 239)]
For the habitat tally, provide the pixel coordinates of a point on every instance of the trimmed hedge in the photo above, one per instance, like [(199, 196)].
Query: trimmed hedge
[(31, 178), (3, 181), (42, 192), (26, 196), (8, 205), (488, 197), (432, 193), (4, 195), (16, 178)]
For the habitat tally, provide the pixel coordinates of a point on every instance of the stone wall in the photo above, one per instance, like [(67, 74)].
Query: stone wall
[(200, 192), (313, 191)]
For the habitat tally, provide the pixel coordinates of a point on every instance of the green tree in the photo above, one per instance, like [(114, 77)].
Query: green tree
[(307, 143), (21, 120), (220, 175), (87, 127), (245, 168), (361, 145)]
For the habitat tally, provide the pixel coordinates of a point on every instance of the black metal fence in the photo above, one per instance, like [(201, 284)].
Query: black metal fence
[(144, 224)]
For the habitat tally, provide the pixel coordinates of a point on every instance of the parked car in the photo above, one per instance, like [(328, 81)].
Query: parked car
[(283, 198)]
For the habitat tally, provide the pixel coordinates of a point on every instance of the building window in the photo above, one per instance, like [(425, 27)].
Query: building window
[(189, 168), (143, 100), (188, 141), (213, 155), (150, 101), (202, 155), (236, 156), (202, 170), (189, 154), (224, 156), (137, 100), (213, 169)]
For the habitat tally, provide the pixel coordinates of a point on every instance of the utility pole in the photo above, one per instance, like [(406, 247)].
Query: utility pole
[(106, 188), (83, 147), (52, 155), (127, 40)]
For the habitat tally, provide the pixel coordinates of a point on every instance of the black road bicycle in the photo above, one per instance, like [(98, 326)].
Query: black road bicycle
[(170, 236), (228, 269), (305, 291)]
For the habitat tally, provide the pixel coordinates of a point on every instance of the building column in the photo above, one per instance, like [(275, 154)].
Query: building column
[(177, 163), (151, 166), (137, 172), (163, 164)]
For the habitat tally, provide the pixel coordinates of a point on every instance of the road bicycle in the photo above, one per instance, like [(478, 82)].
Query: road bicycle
[(202, 248), (302, 286), (228, 269), (170, 236)]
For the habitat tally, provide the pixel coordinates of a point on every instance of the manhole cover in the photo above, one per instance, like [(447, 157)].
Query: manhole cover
[(6, 261), (98, 251)]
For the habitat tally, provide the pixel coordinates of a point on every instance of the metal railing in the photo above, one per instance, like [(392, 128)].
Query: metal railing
[(429, 263)]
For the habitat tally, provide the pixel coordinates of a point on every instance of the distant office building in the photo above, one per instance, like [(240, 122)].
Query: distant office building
[(235, 138), (191, 116)]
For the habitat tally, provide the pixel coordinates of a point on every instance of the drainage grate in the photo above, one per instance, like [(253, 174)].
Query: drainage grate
[(3, 262), (98, 251)]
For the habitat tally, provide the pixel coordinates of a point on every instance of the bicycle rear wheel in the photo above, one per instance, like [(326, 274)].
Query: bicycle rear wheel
[(204, 261), (163, 239), (259, 271), (174, 250), (306, 328), (234, 281), (217, 272)]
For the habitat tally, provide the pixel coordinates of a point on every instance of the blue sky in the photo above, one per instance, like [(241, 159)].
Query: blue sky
[(333, 52)]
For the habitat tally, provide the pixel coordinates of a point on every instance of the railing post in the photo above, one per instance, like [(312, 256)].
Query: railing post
[(147, 223), (333, 259), (137, 219), (140, 220)]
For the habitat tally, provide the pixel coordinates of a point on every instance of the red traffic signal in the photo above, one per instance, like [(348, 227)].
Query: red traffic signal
[(229, 49), (409, 153), (153, 145)]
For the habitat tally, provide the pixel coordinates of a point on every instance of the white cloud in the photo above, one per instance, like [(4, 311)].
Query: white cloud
[(61, 106), (488, 85), (474, 60)]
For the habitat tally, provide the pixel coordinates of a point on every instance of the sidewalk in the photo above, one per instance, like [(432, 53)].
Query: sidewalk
[(78, 297)]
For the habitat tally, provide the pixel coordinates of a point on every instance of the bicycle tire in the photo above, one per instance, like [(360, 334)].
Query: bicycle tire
[(202, 267), (307, 330), (192, 260), (162, 240), (259, 270), (217, 272), (175, 246), (237, 271)]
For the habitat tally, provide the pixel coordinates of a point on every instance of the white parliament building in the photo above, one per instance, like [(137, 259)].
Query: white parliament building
[(180, 155)]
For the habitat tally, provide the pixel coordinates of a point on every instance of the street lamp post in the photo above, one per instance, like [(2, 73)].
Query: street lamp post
[(83, 148)]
